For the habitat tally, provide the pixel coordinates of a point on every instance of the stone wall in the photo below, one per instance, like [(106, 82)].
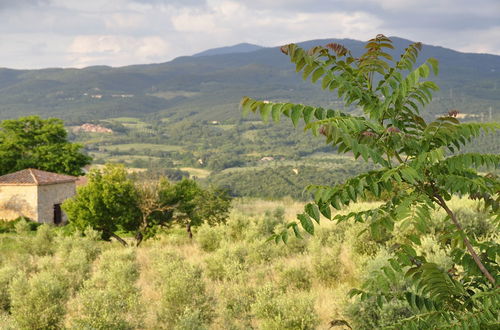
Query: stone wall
[(49, 195), (16, 201)]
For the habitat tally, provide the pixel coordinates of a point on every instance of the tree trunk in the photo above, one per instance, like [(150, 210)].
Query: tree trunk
[(119, 239), (138, 237), (473, 253), (188, 229)]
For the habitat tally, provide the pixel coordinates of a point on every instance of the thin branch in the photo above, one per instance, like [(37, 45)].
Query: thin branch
[(473, 253)]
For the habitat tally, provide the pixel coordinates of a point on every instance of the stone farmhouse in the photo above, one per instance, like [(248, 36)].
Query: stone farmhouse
[(35, 194)]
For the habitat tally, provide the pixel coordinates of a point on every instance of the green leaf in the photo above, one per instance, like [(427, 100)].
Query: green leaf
[(296, 230), (284, 236), (313, 211), (434, 64), (324, 208), (276, 112), (295, 115), (306, 223), (265, 111), (317, 74)]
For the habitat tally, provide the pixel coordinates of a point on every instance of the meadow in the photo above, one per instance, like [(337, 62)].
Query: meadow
[(227, 277)]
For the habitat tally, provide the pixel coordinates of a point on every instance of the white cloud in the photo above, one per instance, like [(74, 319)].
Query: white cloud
[(39, 33), (116, 50)]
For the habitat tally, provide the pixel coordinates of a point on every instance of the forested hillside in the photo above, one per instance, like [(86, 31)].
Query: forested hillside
[(182, 118), (210, 87)]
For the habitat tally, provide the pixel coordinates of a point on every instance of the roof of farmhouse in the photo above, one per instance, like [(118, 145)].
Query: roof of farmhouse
[(31, 176)]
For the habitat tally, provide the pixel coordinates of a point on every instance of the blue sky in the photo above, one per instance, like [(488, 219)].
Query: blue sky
[(79, 33)]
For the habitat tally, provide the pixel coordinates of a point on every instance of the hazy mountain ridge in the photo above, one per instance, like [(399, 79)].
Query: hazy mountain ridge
[(210, 86)]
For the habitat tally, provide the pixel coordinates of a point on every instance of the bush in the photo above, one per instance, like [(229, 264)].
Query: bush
[(235, 303), (227, 262), (267, 225), (7, 226), (237, 227), (327, 266), (209, 238), (22, 226), (277, 310), (44, 241), (109, 299), (7, 274), (38, 302), (367, 315), (296, 277), (183, 295)]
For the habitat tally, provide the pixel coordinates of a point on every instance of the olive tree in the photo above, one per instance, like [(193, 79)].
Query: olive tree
[(418, 167)]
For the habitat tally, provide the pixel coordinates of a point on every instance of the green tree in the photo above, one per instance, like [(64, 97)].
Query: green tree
[(195, 205), (416, 169), (108, 203), (39, 143), (154, 212)]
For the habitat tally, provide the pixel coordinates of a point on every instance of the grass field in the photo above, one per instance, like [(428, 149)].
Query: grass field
[(141, 147), (198, 172), (228, 277)]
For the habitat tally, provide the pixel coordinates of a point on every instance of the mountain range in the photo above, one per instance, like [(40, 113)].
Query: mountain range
[(209, 85)]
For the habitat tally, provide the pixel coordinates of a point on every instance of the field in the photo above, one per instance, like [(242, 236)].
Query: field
[(228, 277), (131, 147)]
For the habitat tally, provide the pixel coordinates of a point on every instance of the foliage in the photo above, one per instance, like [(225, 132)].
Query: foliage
[(171, 276), (195, 205), (39, 143), (38, 302), (183, 294), (277, 310), (108, 203), (416, 167), (109, 299)]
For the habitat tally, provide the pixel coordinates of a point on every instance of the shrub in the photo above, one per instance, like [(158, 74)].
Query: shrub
[(237, 227), (367, 315), (227, 262), (209, 238), (38, 302), (7, 274), (183, 294), (267, 225), (22, 226), (296, 277), (43, 242), (477, 224), (7, 226), (327, 266), (109, 299), (235, 304), (277, 310)]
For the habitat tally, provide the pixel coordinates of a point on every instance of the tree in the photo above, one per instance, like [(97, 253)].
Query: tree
[(154, 212), (39, 143), (111, 203), (108, 203), (195, 205), (417, 169)]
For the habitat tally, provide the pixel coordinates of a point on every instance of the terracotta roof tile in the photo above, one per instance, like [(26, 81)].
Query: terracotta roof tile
[(33, 176)]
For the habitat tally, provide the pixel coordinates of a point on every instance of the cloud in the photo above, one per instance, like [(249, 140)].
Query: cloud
[(15, 4), (119, 32), (116, 50)]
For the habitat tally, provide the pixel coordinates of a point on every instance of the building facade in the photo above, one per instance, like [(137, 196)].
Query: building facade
[(35, 194)]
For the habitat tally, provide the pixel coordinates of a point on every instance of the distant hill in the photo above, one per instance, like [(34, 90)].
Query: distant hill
[(239, 48), (209, 85)]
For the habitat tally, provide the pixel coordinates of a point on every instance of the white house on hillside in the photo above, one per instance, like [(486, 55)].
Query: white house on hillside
[(35, 194)]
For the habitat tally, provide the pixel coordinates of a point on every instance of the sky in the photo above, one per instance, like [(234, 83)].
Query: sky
[(80, 33)]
